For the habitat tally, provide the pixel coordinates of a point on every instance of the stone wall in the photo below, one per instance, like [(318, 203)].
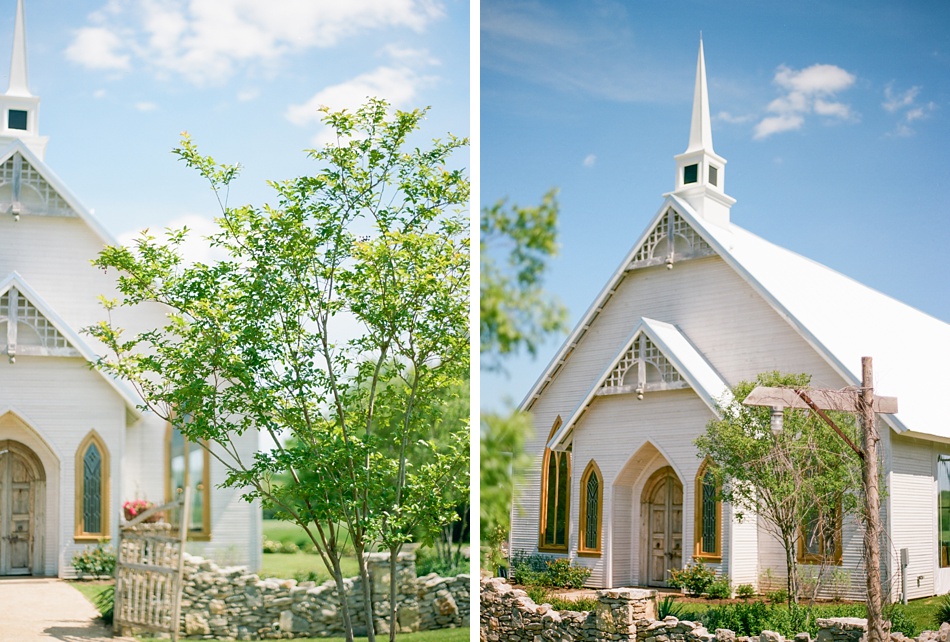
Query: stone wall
[(230, 603), (629, 615)]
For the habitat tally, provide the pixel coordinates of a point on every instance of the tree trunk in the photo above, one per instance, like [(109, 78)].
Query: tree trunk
[(359, 549), (791, 569), (344, 606), (393, 577)]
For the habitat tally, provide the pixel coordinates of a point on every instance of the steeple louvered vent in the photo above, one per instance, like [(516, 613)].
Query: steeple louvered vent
[(642, 368), (25, 191), (672, 240)]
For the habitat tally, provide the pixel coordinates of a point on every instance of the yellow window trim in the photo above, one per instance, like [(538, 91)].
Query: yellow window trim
[(80, 534), (804, 557), (204, 534), (698, 552), (542, 525), (582, 550)]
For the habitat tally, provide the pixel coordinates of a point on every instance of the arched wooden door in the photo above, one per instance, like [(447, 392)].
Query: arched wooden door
[(663, 503), (19, 486)]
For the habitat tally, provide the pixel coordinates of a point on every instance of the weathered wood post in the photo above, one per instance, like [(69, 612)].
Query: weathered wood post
[(872, 503)]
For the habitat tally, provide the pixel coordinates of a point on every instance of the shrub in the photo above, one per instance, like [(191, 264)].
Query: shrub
[(778, 597), (561, 573), (745, 618), (105, 602), (270, 546), (537, 594), (721, 589), (840, 582), (289, 547), (745, 591), (942, 614), (546, 570), (576, 604), (695, 578), (901, 620), (429, 561), (95, 562), (667, 607)]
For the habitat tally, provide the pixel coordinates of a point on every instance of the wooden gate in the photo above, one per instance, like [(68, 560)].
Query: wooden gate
[(149, 572)]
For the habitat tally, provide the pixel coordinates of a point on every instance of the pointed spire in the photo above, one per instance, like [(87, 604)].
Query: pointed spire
[(700, 131), (18, 74)]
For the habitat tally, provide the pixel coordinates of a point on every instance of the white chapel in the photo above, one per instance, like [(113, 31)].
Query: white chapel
[(74, 447), (696, 306)]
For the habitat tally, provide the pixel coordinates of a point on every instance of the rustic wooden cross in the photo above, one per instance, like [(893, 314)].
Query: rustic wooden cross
[(863, 402)]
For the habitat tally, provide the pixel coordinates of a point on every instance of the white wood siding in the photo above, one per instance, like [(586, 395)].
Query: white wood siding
[(738, 333), (913, 500)]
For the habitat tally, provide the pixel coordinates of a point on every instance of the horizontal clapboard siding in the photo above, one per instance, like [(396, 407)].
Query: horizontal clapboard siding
[(737, 332)]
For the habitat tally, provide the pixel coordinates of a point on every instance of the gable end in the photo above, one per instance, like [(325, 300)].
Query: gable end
[(642, 368), (24, 330), (24, 190), (672, 239)]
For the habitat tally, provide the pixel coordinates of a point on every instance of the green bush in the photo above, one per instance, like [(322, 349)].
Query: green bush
[(942, 614), (576, 604), (538, 594), (105, 602), (270, 546), (751, 618), (745, 591), (668, 607), (95, 562), (561, 573), (720, 589), (778, 597), (289, 548), (546, 570), (428, 561), (695, 578)]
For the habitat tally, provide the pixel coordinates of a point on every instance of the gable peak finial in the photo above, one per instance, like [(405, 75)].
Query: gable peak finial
[(700, 130), (19, 85)]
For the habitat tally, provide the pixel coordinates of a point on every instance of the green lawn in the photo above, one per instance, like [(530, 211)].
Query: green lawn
[(300, 565), (91, 589)]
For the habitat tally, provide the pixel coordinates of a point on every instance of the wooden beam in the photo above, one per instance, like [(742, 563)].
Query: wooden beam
[(843, 400)]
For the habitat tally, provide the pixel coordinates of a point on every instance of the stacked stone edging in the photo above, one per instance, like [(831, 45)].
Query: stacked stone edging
[(629, 615), (230, 603)]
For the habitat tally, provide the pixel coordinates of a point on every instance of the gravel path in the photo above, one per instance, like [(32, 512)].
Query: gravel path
[(44, 609)]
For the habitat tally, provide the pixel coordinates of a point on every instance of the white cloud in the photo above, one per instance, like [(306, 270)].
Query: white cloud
[(99, 93), (731, 118), (196, 248), (806, 91), (247, 95), (904, 104), (397, 85), (590, 160), (893, 102), (146, 106), (204, 41), (98, 48)]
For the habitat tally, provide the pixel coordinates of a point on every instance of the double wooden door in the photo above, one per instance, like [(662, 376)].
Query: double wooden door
[(664, 506), (17, 507)]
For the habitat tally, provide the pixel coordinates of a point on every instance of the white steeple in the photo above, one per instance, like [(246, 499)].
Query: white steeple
[(18, 74), (700, 171), (18, 107)]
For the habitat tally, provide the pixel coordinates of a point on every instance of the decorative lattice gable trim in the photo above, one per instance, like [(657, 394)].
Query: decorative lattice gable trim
[(642, 368), (28, 191), (24, 330), (672, 239)]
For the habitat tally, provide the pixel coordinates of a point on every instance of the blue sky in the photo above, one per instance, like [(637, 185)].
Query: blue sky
[(120, 79), (833, 117)]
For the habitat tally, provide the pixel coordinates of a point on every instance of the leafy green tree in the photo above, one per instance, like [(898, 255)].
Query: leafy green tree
[(516, 244), (800, 480), (336, 311), (516, 313)]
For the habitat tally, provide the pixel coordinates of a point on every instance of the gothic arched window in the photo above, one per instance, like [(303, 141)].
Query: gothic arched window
[(555, 497), (592, 503), (92, 488)]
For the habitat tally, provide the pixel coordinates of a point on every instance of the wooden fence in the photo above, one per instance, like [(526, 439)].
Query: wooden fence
[(149, 571)]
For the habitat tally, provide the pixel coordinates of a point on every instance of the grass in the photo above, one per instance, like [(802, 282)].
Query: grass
[(90, 589), (922, 611), (301, 566), (440, 635)]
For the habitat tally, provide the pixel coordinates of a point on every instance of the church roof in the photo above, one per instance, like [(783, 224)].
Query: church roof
[(842, 319)]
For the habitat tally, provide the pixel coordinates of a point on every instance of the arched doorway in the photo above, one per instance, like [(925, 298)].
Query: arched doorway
[(22, 487), (662, 509)]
